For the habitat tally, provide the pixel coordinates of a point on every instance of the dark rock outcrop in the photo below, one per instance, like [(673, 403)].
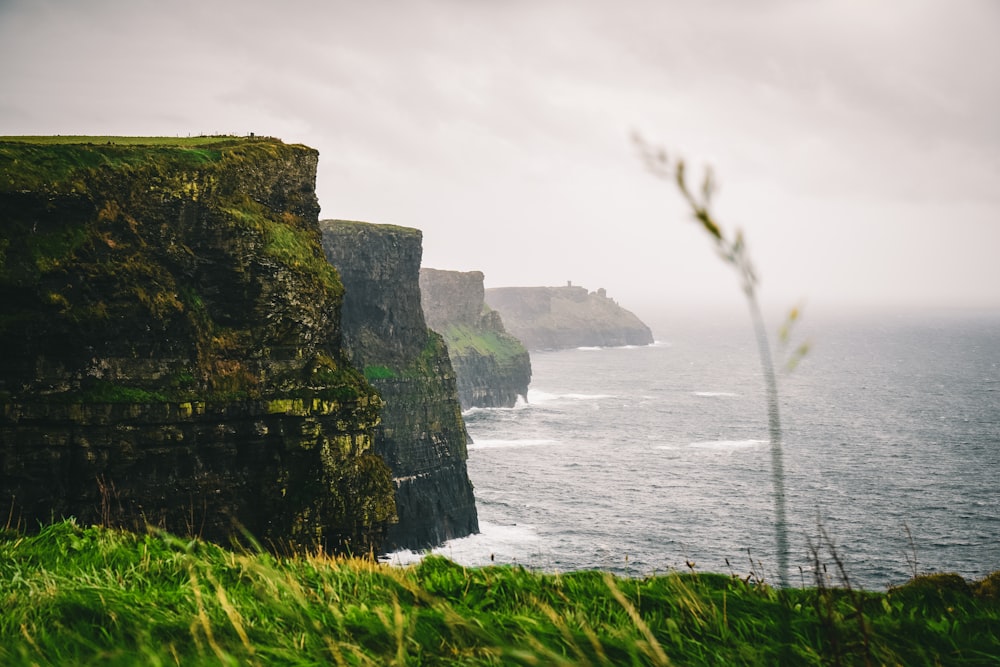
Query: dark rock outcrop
[(422, 435), (493, 367), (171, 346), (549, 318)]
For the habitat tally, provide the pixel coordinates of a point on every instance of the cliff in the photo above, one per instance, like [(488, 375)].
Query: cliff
[(422, 436), (545, 318), (492, 367), (171, 345)]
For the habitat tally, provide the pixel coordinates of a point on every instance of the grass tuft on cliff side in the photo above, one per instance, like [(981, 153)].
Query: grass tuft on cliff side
[(463, 339), (89, 595)]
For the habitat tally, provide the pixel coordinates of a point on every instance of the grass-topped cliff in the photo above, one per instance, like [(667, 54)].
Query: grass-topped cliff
[(171, 250), (171, 337), (81, 596), (492, 367), (422, 435)]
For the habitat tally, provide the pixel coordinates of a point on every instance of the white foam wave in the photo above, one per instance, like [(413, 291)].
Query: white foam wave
[(727, 445), (402, 557), (598, 348), (519, 405), (500, 443), (494, 543), (539, 396), (712, 394)]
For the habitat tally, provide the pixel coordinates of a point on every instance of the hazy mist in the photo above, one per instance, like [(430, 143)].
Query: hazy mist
[(857, 144)]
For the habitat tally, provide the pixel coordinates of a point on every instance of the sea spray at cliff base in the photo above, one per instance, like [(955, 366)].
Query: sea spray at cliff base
[(645, 459)]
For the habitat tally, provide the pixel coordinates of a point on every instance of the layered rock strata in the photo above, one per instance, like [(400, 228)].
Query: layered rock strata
[(492, 367), (422, 435), (171, 346), (546, 318)]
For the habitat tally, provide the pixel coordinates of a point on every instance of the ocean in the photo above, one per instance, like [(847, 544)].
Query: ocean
[(645, 460)]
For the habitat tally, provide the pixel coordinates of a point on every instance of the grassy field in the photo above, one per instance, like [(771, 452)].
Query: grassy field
[(80, 596), (50, 140), (64, 164)]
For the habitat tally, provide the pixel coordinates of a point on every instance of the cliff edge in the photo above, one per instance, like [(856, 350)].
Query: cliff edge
[(492, 367), (422, 435), (171, 345), (551, 318)]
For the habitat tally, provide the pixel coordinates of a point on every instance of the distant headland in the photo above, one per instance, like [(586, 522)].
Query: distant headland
[(551, 318)]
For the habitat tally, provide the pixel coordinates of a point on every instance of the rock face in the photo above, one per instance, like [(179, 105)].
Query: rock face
[(551, 318), (171, 346), (422, 435), (492, 367)]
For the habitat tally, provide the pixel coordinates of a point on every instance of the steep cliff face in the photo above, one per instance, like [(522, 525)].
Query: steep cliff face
[(171, 345), (549, 318), (492, 367), (422, 436)]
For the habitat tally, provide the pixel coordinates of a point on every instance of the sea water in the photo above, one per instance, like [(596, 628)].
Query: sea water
[(644, 460)]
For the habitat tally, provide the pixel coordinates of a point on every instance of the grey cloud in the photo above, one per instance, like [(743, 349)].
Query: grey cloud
[(509, 121)]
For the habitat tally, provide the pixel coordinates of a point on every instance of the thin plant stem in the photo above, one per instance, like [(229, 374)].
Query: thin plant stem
[(774, 429), (734, 251)]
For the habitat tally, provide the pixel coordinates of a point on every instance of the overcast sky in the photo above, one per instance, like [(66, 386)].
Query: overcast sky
[(857, 143)]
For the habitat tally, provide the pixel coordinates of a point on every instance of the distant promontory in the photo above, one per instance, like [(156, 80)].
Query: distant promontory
[(550, 318)]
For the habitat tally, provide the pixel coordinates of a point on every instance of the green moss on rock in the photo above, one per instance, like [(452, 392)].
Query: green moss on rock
[(195, 256), (172, 327)]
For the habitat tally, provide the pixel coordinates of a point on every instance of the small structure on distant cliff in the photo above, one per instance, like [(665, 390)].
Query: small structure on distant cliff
[(170, 345), (493, 367), (549, 318), (422, 435)]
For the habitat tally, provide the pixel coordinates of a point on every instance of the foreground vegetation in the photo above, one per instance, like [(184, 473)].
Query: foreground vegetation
[(75, 595)]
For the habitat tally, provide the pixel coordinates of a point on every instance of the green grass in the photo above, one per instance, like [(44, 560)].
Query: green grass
[(124, 141), (300, 249), (64, 167), (108, 392), (379, 373), (67, 164), (92, 235), (74, 595), (464, 340), (286, 240)]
